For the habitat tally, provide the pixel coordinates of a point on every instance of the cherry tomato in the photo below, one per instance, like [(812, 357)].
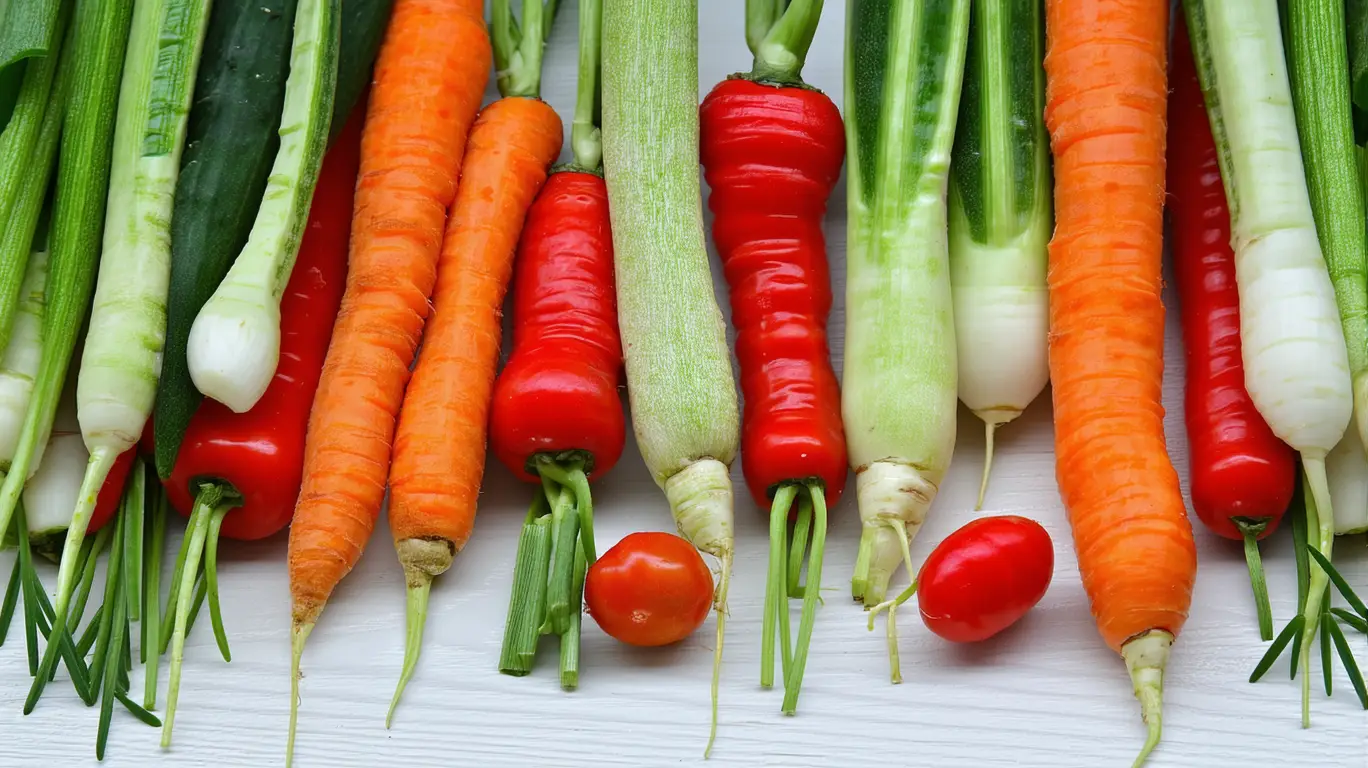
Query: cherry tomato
[(984, 577), (649, 589)]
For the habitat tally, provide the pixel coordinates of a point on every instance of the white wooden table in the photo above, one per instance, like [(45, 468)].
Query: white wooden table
[(1046, 693)]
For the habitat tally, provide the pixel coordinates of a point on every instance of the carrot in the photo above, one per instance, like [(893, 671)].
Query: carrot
[(439, 450), (1106, 96), (429, 81)]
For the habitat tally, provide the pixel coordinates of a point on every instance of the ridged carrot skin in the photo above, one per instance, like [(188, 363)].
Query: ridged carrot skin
[(429, 80), (440, 445), (1106, 106)]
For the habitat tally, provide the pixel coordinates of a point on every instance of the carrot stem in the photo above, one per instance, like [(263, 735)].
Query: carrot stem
[(418, 589), (775, 602), (571, 475), (570, 639), (527, 603), (299, 634), (812, 595), (1251, 530)]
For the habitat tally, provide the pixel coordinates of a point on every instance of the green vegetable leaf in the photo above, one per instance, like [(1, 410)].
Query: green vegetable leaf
[(1340, 583), (1293, 629)]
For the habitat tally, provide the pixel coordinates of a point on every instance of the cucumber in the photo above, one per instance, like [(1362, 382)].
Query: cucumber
[(363, 29), (230, 146)]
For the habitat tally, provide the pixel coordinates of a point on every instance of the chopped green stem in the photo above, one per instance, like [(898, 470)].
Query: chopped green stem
[(151, 623), (1251, 530), (133, 504), (416, 611), (793, 683), (802, 528), (518, 47), (211, 579), (775, 584), (570, 640), (526, 605), (586, 138), (780, 56), (760, 17), (560, 583), (571, 475), (891, 606), (213, 500)]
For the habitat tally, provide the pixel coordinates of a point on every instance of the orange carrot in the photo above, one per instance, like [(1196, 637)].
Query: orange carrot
[(429, 80), (1106, 95), (439, 451)]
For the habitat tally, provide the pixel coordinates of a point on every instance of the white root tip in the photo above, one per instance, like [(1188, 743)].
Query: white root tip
[(1146, 655), (893, 500), (233, 350), (700, 498)]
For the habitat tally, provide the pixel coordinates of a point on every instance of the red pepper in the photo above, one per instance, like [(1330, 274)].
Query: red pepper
[(111, 493), (771, 155), (1241, 474), (557, 396), (556, 415)]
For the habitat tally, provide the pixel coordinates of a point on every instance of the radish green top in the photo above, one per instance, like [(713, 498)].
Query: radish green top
[(234, 343)]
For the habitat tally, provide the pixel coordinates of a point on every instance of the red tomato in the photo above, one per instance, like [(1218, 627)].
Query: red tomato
[(649, 589), (984, 577)]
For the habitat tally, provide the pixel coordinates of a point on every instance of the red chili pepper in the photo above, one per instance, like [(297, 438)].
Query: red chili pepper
[(556, 415), (243, 471), (557, 397), (771, 156), (1241, 474)]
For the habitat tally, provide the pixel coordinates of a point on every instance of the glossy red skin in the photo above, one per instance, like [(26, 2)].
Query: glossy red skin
[(558, 393), (650, 589), (111, 493), (1238, 467), (261, 453), (984, 577), (771, 156)]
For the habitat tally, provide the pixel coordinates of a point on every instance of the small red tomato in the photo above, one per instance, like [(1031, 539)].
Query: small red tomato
[(649, 589), (984, 577)]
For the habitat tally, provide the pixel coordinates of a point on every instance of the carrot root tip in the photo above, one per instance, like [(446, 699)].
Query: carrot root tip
[(419, 587), (893, 498), (1146, 655), (298, 636), (992, 419), (700, 497)]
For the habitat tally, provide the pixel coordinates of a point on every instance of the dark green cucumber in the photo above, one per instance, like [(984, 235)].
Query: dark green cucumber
[(363, 29), (231, 143), (1356, 17)]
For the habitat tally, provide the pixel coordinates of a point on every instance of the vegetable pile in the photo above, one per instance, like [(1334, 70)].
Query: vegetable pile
[(254, 262)]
